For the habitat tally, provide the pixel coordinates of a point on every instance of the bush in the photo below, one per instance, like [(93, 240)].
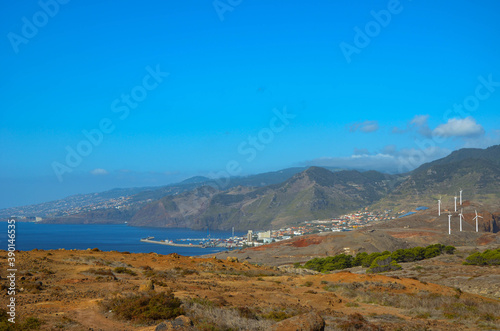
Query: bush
[(383, 264), (123, 270), (30, 323), (145, 308), (101, 272), (449, 249), (277, 315), (488, 257), (336, 262), (343, 261)]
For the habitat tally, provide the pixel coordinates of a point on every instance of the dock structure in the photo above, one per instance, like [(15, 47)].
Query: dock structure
[(146, 240)]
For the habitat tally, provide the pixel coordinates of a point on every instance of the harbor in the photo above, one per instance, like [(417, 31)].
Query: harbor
[(170, 243), (202, 242)]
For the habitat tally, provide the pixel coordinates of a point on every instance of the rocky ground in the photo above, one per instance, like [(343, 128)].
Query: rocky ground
[(65, 290)]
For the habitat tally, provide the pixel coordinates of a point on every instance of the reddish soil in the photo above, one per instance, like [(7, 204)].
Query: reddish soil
[(70, 293), (486, 239), (302, 241), (307, 241)]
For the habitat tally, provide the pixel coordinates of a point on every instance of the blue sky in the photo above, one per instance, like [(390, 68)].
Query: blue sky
[(169, 90)]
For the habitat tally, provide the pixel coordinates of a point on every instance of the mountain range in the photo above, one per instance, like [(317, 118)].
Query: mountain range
[(286, 197)]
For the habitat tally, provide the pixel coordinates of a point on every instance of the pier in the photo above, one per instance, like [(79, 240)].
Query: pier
[(170, 244)]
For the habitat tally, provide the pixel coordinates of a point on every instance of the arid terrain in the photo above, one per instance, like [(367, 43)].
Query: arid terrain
[(66, 289), (421, 229)]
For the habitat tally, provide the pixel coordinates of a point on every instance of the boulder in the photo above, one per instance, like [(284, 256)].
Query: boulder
[(306, 322), (147, 286)]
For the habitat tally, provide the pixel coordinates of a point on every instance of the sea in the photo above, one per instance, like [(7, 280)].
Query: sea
[(121, 238)]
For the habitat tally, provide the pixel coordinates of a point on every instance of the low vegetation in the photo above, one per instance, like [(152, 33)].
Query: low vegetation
[(206, 315), (488, 257), (383, 264), (423, 304), (378, 262), (124, 270), (145, 308), (159, 275), (29, 323)]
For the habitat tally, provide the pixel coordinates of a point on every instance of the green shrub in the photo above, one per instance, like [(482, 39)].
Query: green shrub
[(337, 262), (29, 323), (449, 249), (369, 258), (277, 315), (488, 257), (145, 308), (343, 261), (383, 264)]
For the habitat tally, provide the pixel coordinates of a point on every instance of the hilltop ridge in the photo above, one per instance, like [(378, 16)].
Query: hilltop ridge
[(290, 196)]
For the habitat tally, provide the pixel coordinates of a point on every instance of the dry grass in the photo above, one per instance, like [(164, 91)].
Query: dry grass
[(423, 305), (250, 273), (207, 316)]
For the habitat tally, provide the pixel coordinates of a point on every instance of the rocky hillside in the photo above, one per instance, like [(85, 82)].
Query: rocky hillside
[(315, 193), (275, 199), (475, 171)]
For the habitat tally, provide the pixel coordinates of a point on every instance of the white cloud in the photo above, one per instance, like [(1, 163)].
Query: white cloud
[(99, 171), (389, 160), (366, 126), (490, 139), (419, 123), (419, 120), (458, 127)]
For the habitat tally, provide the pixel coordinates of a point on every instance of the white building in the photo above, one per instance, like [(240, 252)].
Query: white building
[(264, 235)]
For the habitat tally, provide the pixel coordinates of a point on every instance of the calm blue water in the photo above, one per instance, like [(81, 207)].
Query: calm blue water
[(105, 237)]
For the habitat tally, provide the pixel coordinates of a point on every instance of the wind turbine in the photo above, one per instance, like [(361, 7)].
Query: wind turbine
[(455, 204), (439, 206), (477, 218), (460, 196), (461, 218), (449, 223)]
